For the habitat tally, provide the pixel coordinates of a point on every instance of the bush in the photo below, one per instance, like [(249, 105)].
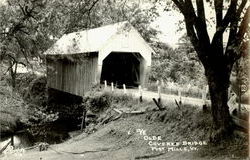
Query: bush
[(99, 101)]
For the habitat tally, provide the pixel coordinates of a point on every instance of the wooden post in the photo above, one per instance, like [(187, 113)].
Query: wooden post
[(105, 84), (12, 140), (140, 93), (112, 86), (207, 89), (198, 93), (157, 82), (204, 95), (162, 83), (158, 104), (179, 94), (83, 124), (239, 103), (238, 81), (159, 96), (124, 89), (159, 92)]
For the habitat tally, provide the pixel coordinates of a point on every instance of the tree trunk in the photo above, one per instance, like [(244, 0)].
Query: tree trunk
[(218, 81), (12, 72)]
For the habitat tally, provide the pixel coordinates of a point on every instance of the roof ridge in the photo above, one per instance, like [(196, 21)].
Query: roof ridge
[(104, 26)]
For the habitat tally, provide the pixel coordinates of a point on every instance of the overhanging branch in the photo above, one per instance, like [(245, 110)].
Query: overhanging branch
[(180, 5), (244, 25), (238, 46), (241, 7), (200, 24), (218, 5), (200, 10), (217, 41), (229, 15), (195, 26)]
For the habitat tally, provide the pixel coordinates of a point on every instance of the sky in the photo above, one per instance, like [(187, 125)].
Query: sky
[(168, 23), (2, 2)]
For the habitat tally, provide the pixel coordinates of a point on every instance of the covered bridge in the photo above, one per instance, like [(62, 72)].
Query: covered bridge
[(116, 53)]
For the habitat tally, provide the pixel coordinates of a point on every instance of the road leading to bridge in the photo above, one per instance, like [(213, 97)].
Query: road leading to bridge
[(149, 95), (166, 98)]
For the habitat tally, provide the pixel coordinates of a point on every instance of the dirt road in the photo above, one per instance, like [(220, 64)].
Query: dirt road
[(148, 95), (118, 140), (167, 98)]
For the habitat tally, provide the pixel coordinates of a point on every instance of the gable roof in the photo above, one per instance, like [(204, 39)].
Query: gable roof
[(86, 41)]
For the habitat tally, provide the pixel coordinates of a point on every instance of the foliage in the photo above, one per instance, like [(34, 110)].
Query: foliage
[(98, 102), (218, 59), (111, 11), (70, 16), (19, 34), (241, 74), (16, 112), (178, 65), (28, 27)]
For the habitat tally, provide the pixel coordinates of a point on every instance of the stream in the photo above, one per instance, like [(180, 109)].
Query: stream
[(52, 133)]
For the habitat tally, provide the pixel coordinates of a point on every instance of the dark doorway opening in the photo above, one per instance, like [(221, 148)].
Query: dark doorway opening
[(122, 68)]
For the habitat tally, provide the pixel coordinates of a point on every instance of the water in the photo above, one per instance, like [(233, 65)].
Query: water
[(21, 140), (52, 133)]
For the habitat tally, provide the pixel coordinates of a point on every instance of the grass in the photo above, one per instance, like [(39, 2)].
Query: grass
[(188, 122), (173, 124), (22, 106), (100, 101), (12, 108)]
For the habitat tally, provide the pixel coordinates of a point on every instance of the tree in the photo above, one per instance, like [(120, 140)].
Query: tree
[(178, 65), (29, 27), (17, 33), (26, 28), (112, 11), (217, 60), (66, 16)]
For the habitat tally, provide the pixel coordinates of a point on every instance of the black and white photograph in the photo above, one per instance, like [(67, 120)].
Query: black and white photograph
[(124, 79)]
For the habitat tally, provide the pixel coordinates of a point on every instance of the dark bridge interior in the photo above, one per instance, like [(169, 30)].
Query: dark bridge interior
[(122, 68)]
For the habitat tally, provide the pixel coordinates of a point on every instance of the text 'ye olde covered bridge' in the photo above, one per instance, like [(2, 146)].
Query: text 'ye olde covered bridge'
[(116, 53)]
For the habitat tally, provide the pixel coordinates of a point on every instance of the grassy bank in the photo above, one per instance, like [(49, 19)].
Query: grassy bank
[(13, 110), (174, 124)]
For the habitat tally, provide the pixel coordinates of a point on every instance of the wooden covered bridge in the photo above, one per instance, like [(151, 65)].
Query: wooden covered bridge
[(116, 53)]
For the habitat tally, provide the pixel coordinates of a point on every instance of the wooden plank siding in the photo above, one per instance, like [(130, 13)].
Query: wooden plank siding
[(75, 77)]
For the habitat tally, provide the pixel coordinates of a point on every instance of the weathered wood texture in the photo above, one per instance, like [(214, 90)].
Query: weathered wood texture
[(75, 77)]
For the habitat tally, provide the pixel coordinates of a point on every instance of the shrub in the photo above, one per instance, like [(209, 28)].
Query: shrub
[(98, 103)]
